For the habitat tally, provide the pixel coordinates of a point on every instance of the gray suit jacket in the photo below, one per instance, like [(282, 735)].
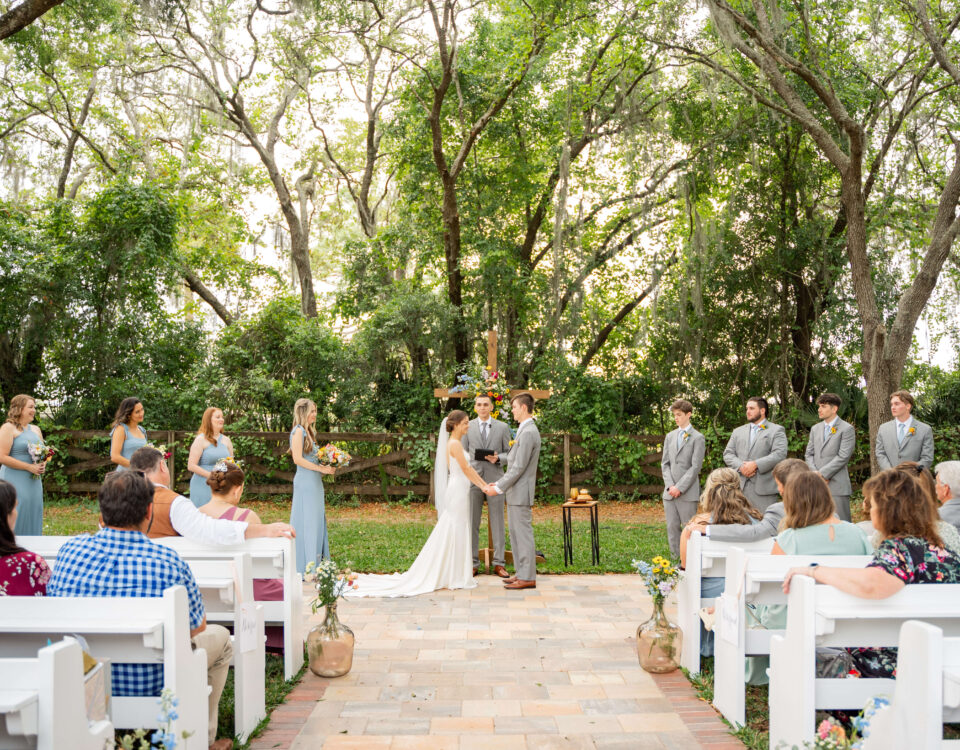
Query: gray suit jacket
[(498, 439), (681, 466), (769, 449), (768, 526), (829, 455), (520, 481), (916, 447), (950, 511)]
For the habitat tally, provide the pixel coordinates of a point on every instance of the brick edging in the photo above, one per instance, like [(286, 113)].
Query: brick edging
[(698, 716), (287, 719)]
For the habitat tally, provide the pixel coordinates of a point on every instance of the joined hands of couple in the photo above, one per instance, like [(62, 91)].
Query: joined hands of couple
[(490, 489)]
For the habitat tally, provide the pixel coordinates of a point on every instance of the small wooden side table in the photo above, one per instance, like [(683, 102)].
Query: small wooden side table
[(567, 511)]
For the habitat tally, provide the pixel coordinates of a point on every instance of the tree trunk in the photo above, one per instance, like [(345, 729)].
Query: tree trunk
[(451, 251), (23, 15)]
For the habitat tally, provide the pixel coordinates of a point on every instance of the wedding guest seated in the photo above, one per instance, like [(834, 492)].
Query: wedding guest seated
[(722, 503), (226, 481), (175, 515), (921, 474), (810, 527), (119, 560), (911, 551), (22, 573), (770, 523), (948, 491)]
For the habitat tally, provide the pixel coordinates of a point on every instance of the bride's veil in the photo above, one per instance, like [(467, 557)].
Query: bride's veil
[(440, 469)]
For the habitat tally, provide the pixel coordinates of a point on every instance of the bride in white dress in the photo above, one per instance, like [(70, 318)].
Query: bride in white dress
[(446, 560)]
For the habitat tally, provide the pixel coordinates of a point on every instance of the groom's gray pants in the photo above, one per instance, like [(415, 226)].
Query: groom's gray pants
[(495, 510), (520, 518)]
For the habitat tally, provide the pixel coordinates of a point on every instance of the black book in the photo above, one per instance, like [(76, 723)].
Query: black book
[(480, 454)]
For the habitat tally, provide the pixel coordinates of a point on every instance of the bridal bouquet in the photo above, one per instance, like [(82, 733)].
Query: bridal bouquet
[(332, 455), (40, 452), (330, 582)]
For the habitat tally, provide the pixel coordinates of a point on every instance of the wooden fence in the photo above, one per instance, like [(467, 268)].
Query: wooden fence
[(400, 466)]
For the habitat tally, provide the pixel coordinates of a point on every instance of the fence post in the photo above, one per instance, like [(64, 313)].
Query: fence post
[(566, 467), (171, 437)]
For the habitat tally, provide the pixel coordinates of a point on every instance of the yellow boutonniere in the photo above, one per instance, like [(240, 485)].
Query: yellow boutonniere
[(686, 436), (833, 430), (763, 426), (511, 443), (911, 430)]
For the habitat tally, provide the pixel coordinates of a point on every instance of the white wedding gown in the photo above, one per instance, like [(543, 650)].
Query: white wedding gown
[(446, 560)]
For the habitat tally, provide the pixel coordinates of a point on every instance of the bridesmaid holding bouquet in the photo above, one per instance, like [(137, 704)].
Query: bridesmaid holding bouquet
[(308, 514), (210, 446), (126, 435), (20, 441)]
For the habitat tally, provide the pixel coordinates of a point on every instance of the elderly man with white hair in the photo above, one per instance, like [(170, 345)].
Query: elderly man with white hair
[(948, 491)]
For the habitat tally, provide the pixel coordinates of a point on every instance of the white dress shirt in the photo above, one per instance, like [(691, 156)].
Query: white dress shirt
[(198, 527)]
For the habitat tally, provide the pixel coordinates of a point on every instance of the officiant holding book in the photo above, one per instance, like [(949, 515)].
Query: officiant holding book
[(487, 439)]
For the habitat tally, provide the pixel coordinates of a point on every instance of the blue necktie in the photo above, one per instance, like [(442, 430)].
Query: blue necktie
[(901, 429), (826, 432)]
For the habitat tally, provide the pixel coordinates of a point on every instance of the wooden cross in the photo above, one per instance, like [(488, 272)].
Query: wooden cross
[(486, 555), (492, 366)]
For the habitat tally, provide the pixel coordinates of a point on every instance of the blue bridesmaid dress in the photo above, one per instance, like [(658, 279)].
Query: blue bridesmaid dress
[(131, 443), (199, 489), (29, 486), (308, 514)]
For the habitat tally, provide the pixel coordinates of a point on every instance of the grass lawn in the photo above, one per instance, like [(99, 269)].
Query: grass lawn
[(381, 538)]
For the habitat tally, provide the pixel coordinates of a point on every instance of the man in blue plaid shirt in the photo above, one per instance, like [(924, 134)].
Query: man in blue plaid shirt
[(119, 560)]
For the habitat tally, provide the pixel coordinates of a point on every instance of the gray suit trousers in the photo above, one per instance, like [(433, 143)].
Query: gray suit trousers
[(678, 513), (520, 518), (495, 505), (842, 502)]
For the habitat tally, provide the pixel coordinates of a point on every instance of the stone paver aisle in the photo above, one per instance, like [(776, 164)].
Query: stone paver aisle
[(546, 669)]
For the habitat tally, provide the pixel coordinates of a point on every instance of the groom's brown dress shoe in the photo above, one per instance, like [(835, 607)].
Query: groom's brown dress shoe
[(520, 584), (501, 571)]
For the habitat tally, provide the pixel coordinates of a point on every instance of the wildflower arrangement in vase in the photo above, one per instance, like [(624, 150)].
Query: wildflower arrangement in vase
[(659, 641)]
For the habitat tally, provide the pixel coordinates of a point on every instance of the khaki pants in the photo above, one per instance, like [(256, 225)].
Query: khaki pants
[(215, 639)]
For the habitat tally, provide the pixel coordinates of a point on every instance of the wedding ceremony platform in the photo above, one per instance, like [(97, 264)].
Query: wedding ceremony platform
[(544, 669)]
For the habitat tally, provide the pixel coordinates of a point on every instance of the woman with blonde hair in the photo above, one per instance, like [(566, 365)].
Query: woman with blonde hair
[(127, 434), (308, 512), (19, 468), (209, 447), (721, 503)]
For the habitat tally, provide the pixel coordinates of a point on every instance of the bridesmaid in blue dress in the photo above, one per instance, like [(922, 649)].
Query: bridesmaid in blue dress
[(308, 514), (19, 469), (209, 446), (123, 442)]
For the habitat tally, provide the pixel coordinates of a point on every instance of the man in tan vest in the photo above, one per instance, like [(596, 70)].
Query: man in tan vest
[(175, 515)]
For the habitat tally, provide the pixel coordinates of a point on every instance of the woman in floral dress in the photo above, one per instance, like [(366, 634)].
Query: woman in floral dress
[(22, 573), (911, 551)]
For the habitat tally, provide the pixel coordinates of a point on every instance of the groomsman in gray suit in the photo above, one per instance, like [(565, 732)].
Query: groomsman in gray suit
[(753, 450), (683, 450), (487, 434), (519, 484), (829, 450), (903, 438), (948, 491)]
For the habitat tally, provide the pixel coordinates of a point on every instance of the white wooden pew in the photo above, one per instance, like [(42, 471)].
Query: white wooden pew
[(273, 557), (822, 616), (121, 630), (705, 558), (42, 702), (753, 579), (226, 585)]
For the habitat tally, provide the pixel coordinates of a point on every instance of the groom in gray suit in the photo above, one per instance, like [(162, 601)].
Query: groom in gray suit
[(519, 484), (753, 450), (682, 460), (829, 450), (903, 438), (487, 434)]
